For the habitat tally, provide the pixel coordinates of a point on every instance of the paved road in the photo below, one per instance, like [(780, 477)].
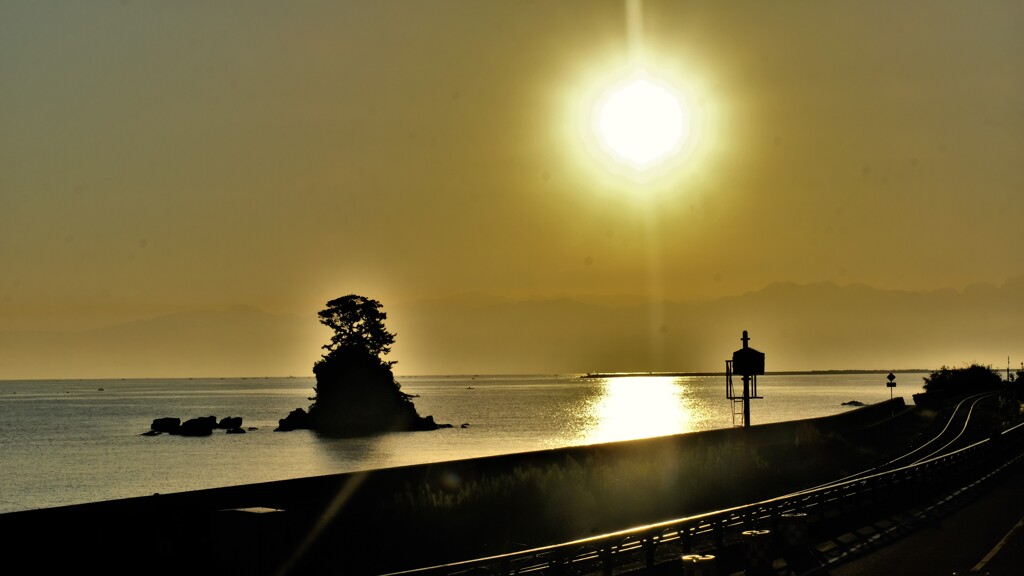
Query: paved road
[(985, 536)]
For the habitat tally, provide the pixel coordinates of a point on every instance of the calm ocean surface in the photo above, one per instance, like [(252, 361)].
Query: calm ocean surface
[(74, 441)]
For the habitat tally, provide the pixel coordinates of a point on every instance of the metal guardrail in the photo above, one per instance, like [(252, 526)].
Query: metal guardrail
[(645, 546)]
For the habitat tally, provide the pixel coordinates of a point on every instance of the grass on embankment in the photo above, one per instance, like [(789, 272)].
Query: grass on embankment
[(460, 509)]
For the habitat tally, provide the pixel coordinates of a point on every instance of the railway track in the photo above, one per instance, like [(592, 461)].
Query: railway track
[(953, 435)]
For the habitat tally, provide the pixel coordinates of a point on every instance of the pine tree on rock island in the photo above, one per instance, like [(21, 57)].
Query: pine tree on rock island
[(356, 392)]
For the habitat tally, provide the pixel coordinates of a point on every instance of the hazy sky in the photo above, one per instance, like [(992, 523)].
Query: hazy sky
[(158, 157)]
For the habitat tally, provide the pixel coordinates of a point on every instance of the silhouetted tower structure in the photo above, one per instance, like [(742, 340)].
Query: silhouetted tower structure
[(748, 363)]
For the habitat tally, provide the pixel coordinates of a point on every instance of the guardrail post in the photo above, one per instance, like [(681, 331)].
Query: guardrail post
[(719, 531), (649, 552), (758, 549), (698, 565), (250, 540), (795, 542), (558, 564), (793, 529), (684, 539)]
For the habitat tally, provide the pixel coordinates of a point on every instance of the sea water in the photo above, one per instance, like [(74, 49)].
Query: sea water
[(74, 441)]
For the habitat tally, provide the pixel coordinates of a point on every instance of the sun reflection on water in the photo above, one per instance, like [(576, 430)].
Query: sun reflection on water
[(640, 407)]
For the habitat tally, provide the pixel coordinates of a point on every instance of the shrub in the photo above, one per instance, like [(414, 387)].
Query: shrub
[(962, 380)]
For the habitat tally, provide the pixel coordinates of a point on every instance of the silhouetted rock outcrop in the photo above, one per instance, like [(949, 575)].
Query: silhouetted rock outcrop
[(358, 394), (169, 425), (230, 422), (297, 419), (202, 426)]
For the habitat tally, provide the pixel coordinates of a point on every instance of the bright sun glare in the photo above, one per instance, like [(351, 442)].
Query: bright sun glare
[(639, 407), (641, 122)]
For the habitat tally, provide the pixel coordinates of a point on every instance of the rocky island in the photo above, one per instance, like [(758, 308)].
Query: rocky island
[(356, 392)]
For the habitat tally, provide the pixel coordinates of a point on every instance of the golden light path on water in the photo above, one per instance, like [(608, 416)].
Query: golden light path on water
[(641, 407)]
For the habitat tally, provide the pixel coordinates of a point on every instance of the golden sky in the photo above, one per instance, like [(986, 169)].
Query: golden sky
[(160, 157)]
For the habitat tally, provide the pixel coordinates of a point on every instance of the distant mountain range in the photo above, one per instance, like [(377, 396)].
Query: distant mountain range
[(241, 341), (799, 327)]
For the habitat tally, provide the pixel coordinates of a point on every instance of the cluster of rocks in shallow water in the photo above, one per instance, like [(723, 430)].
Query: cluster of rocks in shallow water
[(202, 426)]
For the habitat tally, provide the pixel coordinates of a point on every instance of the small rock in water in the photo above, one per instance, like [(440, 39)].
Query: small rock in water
[(853, 403), (230, 422)]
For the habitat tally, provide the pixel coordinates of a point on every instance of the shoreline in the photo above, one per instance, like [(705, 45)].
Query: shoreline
[(175, 531), (767, 373), (483, 375)]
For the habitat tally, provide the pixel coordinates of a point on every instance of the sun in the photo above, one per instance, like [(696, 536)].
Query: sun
[(641, 122), (641, 129)]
